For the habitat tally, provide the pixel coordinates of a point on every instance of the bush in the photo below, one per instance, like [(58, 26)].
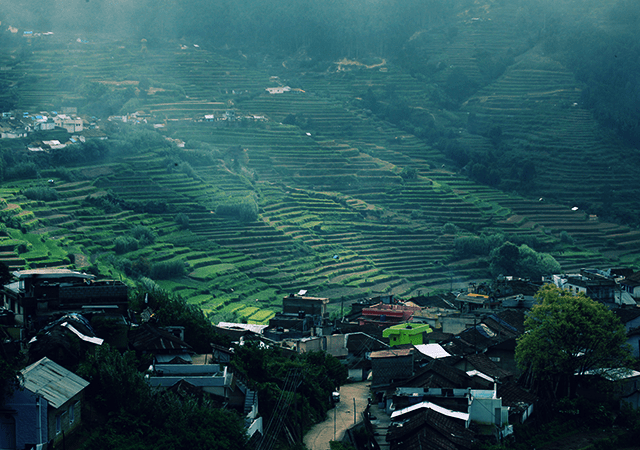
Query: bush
[(245, 209), (409, 173), (144, 235), (182, 220), (566, 238), (125, 244), (42, 193), (449, 228), (167, 269), (22, 170)]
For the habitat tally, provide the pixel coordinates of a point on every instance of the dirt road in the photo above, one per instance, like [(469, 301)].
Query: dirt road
[(341, 417)]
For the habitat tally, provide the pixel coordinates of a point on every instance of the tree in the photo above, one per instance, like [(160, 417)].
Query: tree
[(522, 261), (568, 335), (140, 417), (5, 274)]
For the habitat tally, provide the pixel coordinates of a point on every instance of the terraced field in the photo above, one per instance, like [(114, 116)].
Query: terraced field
[(334, 213)]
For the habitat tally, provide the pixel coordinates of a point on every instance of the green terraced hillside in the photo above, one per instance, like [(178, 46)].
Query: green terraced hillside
[(309, 188)]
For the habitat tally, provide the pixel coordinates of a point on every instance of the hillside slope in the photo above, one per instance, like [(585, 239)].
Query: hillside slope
[(342, 184)]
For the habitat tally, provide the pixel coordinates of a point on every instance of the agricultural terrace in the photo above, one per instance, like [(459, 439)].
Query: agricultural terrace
[(314, 197)]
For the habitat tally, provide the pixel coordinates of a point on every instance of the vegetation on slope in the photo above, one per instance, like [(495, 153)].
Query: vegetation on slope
[(375, 173)]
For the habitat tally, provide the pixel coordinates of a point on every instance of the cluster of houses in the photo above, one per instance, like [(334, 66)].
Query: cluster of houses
[(230, 118), (19, 124), (441, 367), (55, 316)]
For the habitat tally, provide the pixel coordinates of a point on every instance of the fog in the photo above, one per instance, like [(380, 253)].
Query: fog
[(597, 40)]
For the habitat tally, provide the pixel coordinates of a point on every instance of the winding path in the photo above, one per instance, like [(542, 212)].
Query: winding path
[(341, 417)]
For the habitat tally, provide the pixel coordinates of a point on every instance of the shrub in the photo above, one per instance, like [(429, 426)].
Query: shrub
[(245, 209), (167, 269), (409, 173), (566, 238), (22, 170), (42, 193), (64, 173), (182, 220), (144, 235), (125, 244), (449, 228)]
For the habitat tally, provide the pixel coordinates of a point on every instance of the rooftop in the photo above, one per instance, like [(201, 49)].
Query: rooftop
[(434, 351), (50, 273), (391, 353), (433, 407), (52, 381)]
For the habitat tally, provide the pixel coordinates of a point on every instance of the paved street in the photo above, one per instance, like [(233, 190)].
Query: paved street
[(320, 435)]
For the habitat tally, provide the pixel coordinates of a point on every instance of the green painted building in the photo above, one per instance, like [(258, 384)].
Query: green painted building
[(407, 333)]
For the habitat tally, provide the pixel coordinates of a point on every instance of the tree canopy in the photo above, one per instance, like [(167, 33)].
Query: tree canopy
[(522, 261), (569, 335)]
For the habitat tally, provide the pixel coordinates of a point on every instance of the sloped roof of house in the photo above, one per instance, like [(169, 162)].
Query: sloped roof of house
[(439, 374), (254, 328), (358, 343), (501, 327), (52, 381), (150, 338), (391, 353), (632, 280), (434, 351), (627, 314), (432, 406), (514, 318), (482, 363), (427, 428), (443, 301), (513, 395)]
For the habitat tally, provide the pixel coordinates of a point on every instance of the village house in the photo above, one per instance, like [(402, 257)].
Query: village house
[(72, 124), (48, 408), (596, 284), (389, 366), (409, 333), (38, 295), (164, 346), (631, 284), (385, 314), (470, 302)]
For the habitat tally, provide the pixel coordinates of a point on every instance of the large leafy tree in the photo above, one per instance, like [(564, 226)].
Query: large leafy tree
[(568, 335), (522, 261)]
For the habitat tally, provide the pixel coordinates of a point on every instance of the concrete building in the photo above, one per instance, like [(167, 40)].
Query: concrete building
[(300, 304), (72, 124), (407, 333), (39, 294)]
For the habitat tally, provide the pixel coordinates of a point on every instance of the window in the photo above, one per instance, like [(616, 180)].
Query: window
[(58, 424), (71, 413)]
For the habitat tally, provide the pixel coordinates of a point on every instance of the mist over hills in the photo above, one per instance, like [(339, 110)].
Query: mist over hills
[(407, 137)]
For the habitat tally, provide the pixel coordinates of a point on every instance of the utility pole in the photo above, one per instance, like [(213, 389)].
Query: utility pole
[(354, 411), (334, 422)]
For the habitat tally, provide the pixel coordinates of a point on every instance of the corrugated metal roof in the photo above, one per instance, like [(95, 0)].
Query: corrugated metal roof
[(55, 383)]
